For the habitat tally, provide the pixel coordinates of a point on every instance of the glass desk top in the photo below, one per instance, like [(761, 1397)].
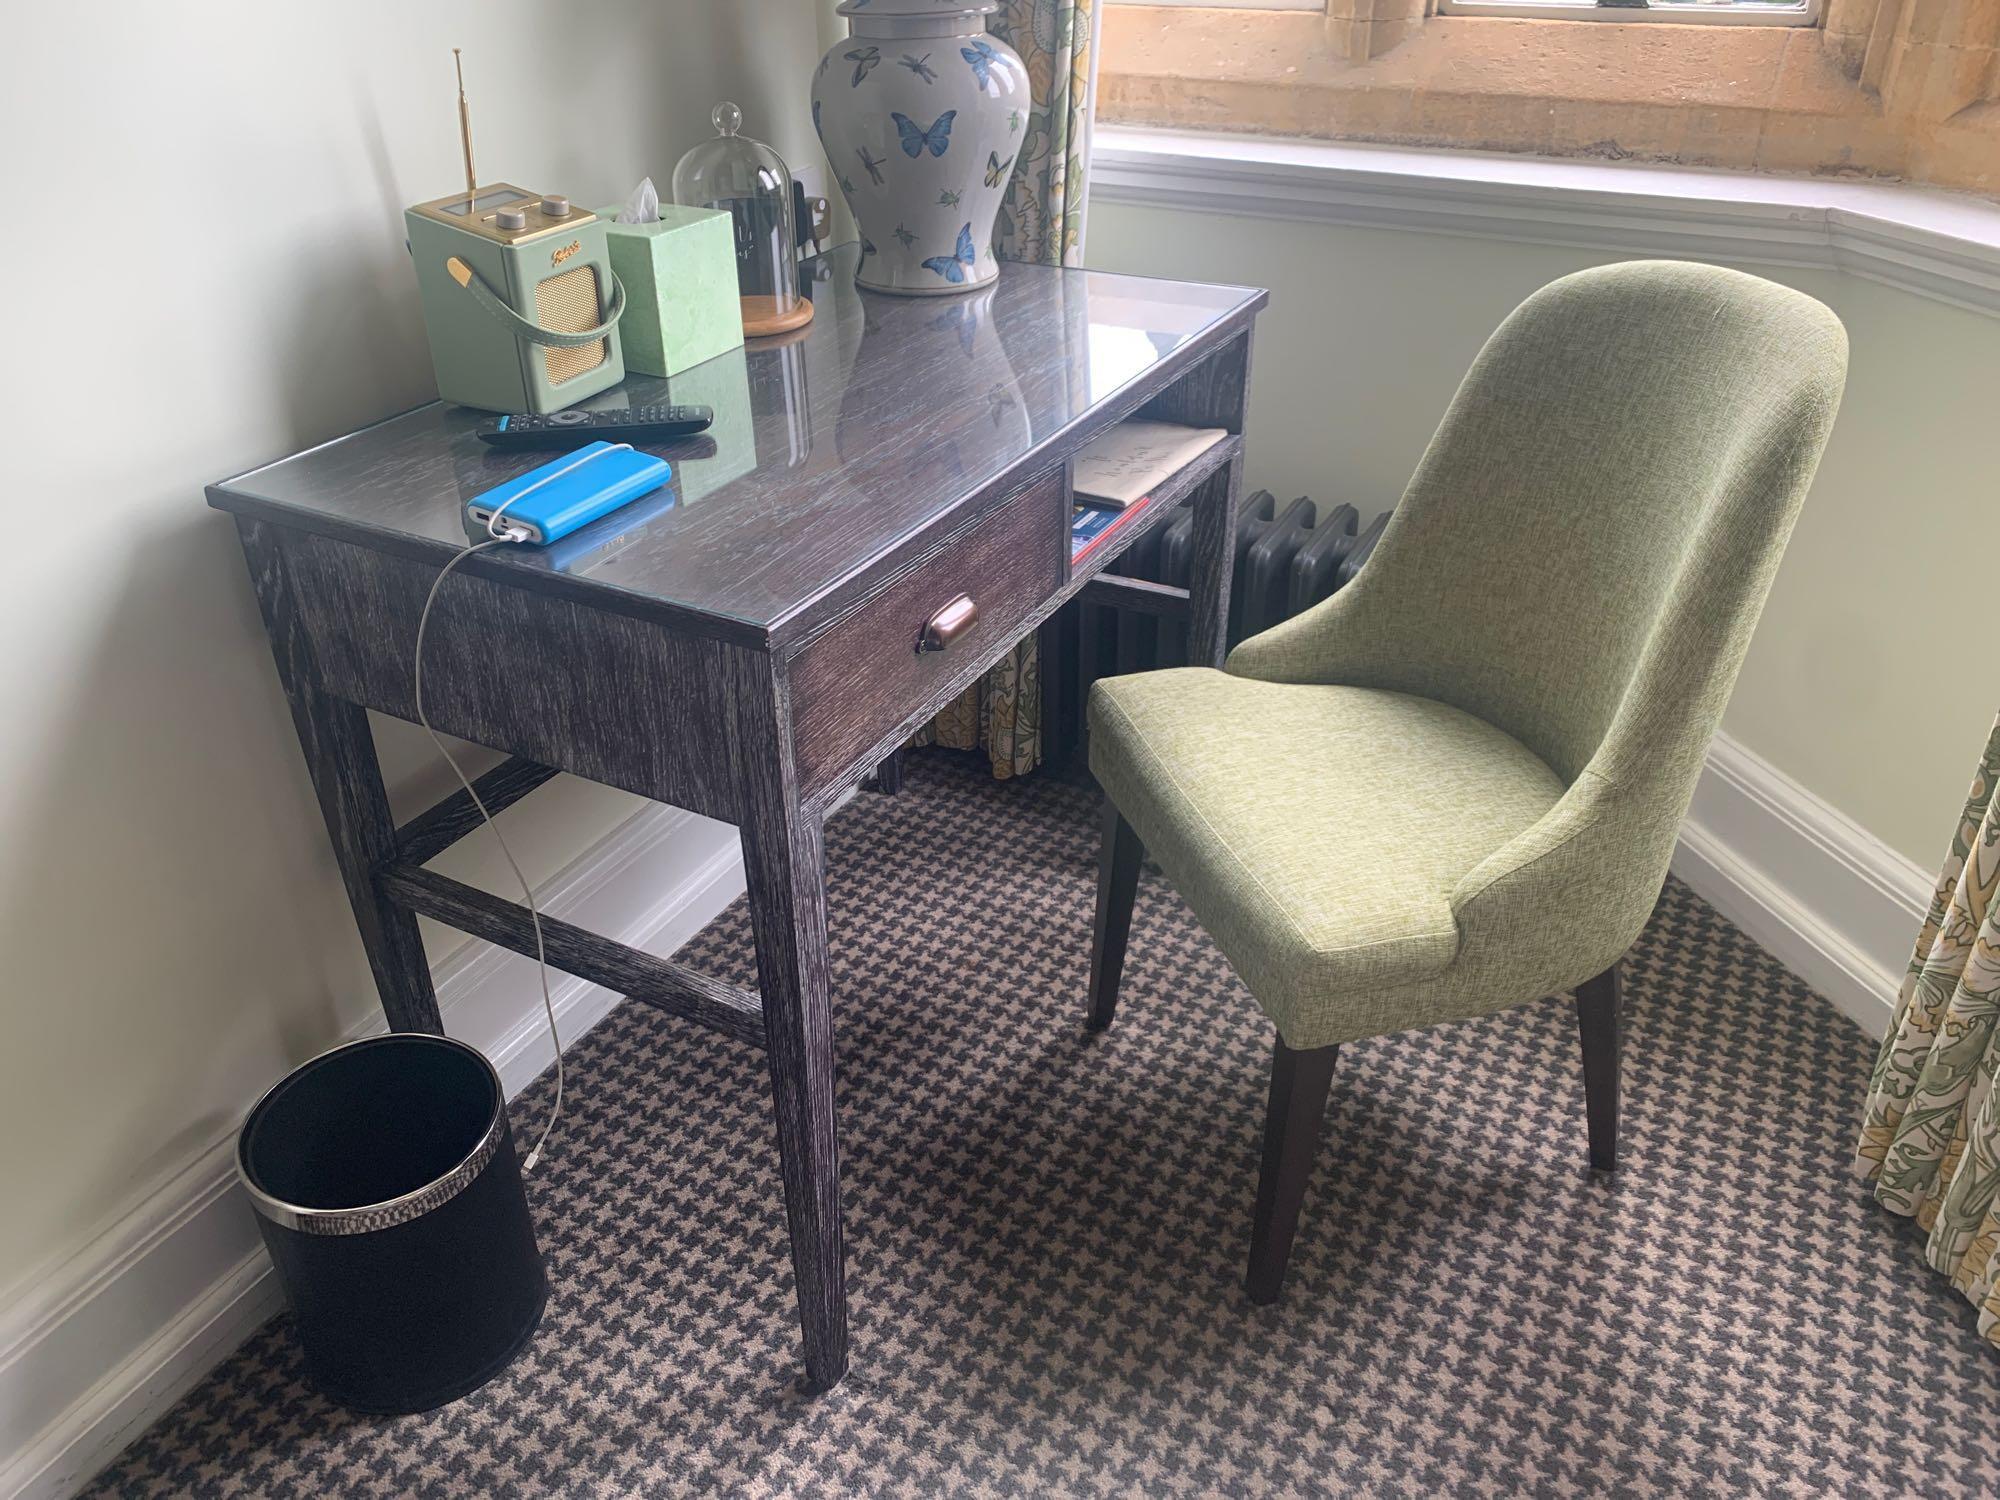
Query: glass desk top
[(829, 445)]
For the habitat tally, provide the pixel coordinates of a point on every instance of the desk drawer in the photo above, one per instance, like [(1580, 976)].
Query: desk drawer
[(865, 675)]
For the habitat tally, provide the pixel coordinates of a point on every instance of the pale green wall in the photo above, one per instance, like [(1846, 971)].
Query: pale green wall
[(1869, 681), (210, 273)]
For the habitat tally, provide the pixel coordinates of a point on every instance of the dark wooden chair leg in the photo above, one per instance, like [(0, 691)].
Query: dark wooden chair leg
[(1299, 1084), (1117, 884), (1597, 1006)]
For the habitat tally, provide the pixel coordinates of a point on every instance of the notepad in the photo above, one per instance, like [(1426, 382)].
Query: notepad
[(1133, 458)]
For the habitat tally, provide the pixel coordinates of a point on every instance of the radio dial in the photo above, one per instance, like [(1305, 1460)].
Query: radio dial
[(555, 207), (511, 218)]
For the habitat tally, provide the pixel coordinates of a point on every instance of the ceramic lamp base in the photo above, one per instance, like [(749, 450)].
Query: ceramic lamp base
[(923, 117)]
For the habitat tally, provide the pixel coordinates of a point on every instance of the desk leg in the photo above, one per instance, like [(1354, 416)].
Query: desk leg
[(340, 756), (783, 860), (1211, 563)]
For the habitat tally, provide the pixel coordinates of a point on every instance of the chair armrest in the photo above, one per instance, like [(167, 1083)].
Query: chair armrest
[(1312, 646), (1570, 893)]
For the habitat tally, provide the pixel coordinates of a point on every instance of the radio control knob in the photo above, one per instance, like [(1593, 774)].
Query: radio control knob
[(511, 218), (555, 206)]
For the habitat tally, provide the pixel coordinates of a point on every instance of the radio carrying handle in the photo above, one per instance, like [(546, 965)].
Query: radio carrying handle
[(525, 328)]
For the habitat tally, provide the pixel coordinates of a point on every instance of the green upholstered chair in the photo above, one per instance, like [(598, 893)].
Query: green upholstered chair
[(1454, 786)]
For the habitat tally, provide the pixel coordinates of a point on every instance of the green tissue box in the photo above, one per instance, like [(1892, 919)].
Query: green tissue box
[(682, 305)]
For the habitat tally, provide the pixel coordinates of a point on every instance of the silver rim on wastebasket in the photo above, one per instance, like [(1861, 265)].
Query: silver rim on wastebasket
[(369, 1218)]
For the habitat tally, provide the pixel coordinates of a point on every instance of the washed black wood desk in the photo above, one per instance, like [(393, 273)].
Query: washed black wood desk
[(746, 645)]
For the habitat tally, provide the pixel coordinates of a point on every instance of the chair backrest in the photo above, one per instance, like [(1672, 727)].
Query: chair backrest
[(1588, 542)]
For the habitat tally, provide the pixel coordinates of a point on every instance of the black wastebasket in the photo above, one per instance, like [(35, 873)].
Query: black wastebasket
[(385, 1182)]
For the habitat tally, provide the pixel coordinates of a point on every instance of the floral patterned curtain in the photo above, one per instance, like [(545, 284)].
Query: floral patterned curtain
[(1930, 1140), (1041, 221)]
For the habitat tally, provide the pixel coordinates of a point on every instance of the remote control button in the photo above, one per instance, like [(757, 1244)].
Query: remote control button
[(568, 418)]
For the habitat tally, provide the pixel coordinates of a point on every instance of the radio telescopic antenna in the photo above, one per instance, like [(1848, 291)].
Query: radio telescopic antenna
[(465, 130)]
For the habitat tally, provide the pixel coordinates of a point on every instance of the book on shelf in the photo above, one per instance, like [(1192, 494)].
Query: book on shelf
[(1131, 460), (1091, 525)]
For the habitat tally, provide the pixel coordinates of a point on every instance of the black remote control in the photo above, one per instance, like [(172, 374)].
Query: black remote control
[(572, 429)]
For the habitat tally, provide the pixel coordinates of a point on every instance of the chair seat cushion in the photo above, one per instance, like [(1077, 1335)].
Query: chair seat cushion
[(1317, 832)]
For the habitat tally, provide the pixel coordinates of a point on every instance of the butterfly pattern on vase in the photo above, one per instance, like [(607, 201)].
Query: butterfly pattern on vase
[(916, 138), (982, 57), (958, 265), (897, 138)]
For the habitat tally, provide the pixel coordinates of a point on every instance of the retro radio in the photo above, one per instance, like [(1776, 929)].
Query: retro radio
[(518, 295)]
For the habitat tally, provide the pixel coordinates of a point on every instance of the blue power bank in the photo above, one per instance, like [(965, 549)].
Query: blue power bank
[(572, 491)]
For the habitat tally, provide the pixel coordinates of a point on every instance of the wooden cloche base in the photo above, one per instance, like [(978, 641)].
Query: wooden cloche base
[(761, 317)]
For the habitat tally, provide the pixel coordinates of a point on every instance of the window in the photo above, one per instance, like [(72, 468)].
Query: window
[(1751, 12), (1890, 88)]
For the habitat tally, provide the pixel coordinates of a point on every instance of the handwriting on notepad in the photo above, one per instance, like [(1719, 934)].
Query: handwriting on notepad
[(1133, 458)]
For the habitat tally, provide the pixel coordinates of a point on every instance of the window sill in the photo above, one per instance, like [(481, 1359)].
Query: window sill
[(1945, 246), (1762, 98)]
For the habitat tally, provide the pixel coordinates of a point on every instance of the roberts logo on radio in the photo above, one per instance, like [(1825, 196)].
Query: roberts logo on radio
[(566, 252)]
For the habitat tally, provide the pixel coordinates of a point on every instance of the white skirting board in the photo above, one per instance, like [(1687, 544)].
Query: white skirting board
[(102, 1347), (1827, 899)]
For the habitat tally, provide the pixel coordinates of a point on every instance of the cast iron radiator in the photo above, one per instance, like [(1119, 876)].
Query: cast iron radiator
[(1287, 559)]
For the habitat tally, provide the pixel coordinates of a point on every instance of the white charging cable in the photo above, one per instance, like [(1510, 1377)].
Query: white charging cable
[(499, 535)]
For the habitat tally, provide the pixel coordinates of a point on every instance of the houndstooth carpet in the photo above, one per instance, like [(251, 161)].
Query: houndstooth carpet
[(1046, 1235)]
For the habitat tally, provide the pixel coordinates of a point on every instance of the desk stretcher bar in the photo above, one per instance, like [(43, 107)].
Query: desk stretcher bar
[(637, 975), (435, 830)]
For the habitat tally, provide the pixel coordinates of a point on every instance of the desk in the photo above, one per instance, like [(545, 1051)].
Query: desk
[(745, 646)]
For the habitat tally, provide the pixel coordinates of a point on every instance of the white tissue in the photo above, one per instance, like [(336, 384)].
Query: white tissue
[(643, 207)]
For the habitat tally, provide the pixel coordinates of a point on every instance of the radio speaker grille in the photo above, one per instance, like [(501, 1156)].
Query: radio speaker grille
[(568, 303)]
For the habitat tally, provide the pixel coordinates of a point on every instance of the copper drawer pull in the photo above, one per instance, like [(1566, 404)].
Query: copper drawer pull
[(948, 624)]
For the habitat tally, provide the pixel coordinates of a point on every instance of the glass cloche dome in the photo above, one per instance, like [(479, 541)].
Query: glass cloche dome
[(751, 183)]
